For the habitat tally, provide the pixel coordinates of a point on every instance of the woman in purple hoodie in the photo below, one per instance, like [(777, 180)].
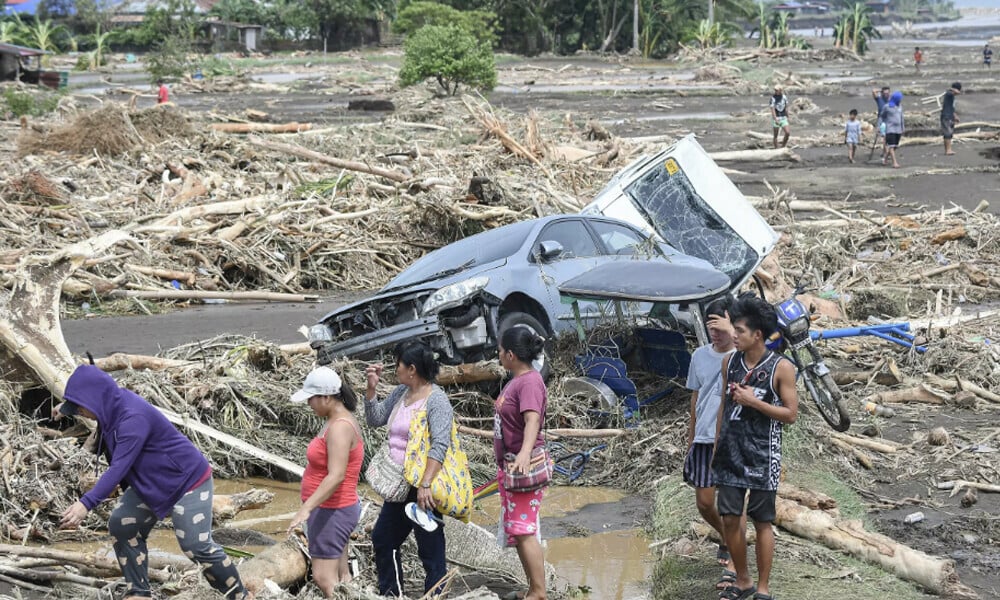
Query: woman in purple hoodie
[(161, 472)]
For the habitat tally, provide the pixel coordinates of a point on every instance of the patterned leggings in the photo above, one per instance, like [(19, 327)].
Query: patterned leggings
[(130, 524)]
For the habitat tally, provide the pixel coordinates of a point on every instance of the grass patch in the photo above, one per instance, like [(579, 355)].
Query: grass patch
[(820, 575), (802, 569)]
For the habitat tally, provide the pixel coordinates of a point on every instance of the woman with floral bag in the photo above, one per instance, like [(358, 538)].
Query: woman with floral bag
[(416, 370), (524, 466)]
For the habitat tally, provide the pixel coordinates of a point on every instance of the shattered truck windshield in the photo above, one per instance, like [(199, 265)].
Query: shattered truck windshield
[(686, 222)]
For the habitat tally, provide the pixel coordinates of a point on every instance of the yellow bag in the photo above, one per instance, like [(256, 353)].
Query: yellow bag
[(452, 488)]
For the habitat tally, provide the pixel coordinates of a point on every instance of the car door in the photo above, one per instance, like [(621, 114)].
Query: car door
[(580, 252)]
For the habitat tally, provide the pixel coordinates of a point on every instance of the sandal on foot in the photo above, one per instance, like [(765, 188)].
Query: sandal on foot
[(759, 596), (722, 555), (734, 593), (727, 580)]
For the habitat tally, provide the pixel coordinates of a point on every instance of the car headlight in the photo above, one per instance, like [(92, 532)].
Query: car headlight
[(454, 294), (798, 326)]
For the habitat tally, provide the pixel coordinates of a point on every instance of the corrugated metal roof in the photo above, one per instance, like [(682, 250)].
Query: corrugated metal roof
[(22, 51)]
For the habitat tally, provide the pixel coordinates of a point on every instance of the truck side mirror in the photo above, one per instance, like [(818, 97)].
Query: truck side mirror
[(549, 251)]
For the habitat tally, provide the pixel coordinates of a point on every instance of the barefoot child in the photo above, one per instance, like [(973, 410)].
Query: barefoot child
[(852, 134)]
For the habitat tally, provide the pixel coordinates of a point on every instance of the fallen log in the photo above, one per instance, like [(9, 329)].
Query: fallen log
[(120, 361), (350, 165), (763, 155), (857, 453), (227, 506), (808, 498), (954, 385), (92, 561), (206, 295), (934, 573), (470, 373), (881, 378), (884, 447), (921, 393), (959, 484), (260, 127)]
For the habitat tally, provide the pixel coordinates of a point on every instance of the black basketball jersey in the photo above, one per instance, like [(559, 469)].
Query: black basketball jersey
[(748, 451)]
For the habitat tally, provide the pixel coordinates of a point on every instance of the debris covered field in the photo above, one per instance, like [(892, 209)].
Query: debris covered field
[(253, 191)]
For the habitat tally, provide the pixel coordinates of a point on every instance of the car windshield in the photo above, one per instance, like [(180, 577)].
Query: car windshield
[(686, 222), (478, 249)]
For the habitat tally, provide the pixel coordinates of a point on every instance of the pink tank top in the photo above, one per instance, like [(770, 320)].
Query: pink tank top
[(399, 430)]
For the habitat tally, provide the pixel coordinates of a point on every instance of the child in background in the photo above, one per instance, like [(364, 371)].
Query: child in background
[(852, 134), (918, 57), (162, 94)]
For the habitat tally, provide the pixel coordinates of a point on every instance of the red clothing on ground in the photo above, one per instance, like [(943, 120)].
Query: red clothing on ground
[(162, 96), (346, 493)]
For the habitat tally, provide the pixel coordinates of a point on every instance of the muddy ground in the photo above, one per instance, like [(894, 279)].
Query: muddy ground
[(635, 98)]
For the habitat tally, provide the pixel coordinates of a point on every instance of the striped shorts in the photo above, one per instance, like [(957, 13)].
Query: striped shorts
[(698, 465)]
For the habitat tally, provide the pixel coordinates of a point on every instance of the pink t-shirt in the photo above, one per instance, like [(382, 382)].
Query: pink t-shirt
[(399, 430), (525, 392)]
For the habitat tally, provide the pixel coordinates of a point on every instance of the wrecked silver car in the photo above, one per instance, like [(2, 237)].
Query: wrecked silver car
[(460, 297)]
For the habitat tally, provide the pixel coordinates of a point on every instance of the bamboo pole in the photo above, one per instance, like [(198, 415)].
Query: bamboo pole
[(350, 165), (260, 127)]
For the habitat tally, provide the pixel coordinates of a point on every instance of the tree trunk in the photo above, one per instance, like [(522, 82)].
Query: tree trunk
[(936, 574), (635, 26)]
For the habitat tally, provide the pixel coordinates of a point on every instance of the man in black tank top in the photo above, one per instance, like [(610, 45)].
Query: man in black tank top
[(758, 398)]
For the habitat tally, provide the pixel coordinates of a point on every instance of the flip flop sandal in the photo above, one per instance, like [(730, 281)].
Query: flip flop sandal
[(722, 554), (735, 593), (727, 580)]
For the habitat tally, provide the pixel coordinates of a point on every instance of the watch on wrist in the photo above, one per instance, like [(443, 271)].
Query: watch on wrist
[(425, 486)]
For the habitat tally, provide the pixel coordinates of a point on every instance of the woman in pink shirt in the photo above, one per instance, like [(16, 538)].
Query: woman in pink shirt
[(520, 412)]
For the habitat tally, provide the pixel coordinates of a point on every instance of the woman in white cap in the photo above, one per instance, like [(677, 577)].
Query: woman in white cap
[(330, 506)]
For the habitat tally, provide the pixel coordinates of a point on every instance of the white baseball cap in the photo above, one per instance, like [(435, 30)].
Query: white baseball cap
[(321, 381)]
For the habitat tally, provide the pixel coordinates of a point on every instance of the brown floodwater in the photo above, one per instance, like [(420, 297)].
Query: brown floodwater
[(612, 561)]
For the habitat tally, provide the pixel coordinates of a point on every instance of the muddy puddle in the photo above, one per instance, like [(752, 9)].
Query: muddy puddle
[(593, 535)]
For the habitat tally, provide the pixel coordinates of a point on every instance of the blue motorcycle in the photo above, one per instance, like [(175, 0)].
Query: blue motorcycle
[(794, 341)]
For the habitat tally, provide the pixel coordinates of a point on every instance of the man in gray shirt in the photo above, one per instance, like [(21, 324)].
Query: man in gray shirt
[(705, 382)]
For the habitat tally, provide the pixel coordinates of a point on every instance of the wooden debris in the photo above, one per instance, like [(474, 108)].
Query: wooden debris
[(260, 127)]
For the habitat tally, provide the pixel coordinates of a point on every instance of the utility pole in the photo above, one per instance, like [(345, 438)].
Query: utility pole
[(711, 12), (635, 26)]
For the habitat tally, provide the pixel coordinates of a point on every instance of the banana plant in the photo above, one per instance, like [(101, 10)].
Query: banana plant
[(42, 35), (101, 39)]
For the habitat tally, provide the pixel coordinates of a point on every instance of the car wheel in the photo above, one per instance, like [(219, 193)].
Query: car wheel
[(515, 319)]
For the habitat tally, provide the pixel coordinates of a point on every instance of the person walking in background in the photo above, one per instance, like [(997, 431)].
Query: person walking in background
[(330, 505), (918, 58), (892, 118), (705, 382), (949, 117), (162, 93), (881, 98), (163, 474), (987, 56), (759, 399), (416, 370), (779, 115), (852, 134), (517, 422)]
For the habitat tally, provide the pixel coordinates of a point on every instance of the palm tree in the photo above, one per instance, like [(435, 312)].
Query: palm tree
[(9, 32)]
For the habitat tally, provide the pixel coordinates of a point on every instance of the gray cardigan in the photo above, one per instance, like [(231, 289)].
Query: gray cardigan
[(439, 417)]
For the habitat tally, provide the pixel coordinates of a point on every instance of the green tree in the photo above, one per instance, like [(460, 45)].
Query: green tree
[(449, 54), (10, 32), (480, 23)]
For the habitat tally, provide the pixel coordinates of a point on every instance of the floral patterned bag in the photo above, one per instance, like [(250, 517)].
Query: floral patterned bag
[(452, 488)]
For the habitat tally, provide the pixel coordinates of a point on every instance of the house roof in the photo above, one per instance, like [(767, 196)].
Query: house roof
[(28, 7), (22, 51)]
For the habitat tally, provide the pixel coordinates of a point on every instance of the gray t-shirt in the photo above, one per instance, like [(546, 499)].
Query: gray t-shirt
[(705, 377), (853, 131)]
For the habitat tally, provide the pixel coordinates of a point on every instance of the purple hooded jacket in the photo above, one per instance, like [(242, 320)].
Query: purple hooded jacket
[(146, 451)]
